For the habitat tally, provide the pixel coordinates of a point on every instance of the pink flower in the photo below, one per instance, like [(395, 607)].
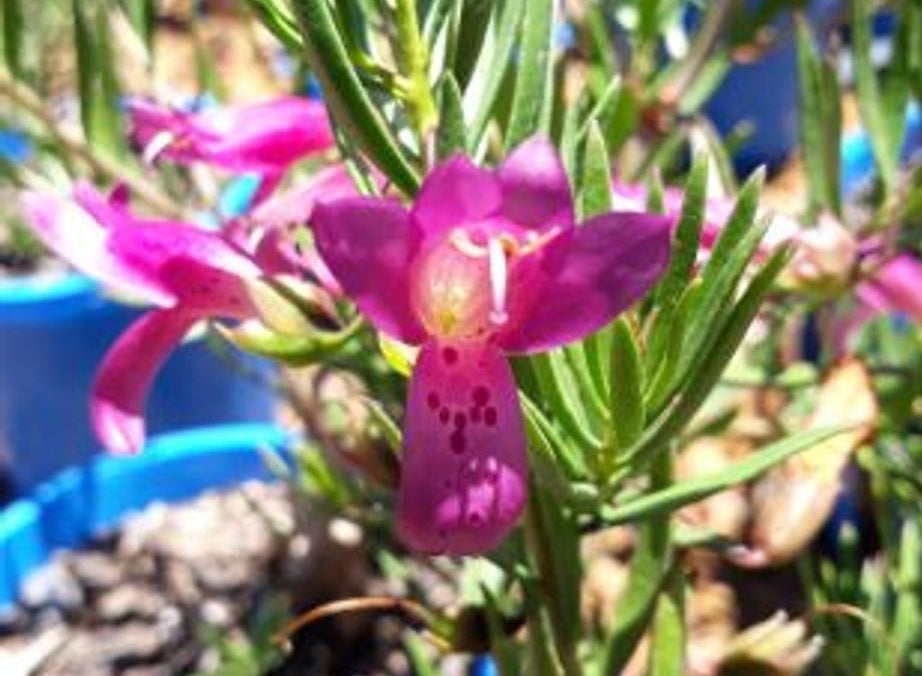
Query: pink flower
[(896, 286), (263, 137), (187, 273), (484, 264)]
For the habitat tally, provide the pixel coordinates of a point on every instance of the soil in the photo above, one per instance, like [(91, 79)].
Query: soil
[(178, 589)]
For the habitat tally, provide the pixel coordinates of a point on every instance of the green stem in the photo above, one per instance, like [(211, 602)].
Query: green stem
[(413, 58), (539, 542)]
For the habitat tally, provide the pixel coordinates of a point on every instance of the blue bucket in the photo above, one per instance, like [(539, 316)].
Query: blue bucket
[(53, 334), (79, 502)]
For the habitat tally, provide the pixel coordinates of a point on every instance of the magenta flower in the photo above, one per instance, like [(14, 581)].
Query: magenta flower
[(896, 286), (186, 272), (263, 137), (484, 264)]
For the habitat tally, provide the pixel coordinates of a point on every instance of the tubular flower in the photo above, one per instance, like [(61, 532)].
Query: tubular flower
[(263, 137), (483, 265), (185, 272)]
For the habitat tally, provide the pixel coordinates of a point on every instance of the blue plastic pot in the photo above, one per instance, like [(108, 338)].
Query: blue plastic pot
[(64, 512), (765, 93), (53, 333)]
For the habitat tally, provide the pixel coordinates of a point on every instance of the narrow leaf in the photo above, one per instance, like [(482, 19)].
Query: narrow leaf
[(678, 495), (533, 84), (595, 186), (626, 383), (347, 99), (452, 133)]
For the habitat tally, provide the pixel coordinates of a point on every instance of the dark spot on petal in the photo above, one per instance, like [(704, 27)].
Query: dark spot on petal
[(443, 533), (450, 355), (433, 400), (460, 420), (448, 484), (490, 416), (476, 414), (444, 415), (457, 441), (474, 519), (480, 395)]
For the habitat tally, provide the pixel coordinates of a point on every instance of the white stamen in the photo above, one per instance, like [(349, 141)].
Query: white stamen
[(161, 141), (498, 279)]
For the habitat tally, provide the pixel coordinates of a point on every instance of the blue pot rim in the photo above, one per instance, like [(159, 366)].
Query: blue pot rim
[(36, 298), (80, 502)]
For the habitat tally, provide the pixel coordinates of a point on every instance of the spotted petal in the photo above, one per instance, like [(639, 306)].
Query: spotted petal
[(464, 472), (368, 245), (126, 374), (591, 274)]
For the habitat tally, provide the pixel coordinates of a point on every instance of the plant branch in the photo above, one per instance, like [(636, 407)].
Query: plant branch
[(414, 61)]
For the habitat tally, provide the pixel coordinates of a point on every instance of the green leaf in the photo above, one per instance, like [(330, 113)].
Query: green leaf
[(820, 123), (595, 186), (667, 652), (534, 82), (435, 19), (870, 103), (675, 497), (279, 21), (687, 236), (142, 15), (549, 443), (96, 81), (475, 19), (494, 64), (664, 375), (348, 101), (564, 402), (626, 383), (388, 428), (707, 367), (451, 135), (11, 18), (736, 227), (540, 656)]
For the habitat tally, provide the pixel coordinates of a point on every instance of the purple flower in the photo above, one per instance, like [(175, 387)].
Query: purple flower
[(263, 137), (483, 265)]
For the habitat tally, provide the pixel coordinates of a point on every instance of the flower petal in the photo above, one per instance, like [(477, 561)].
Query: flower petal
[(592, 273), (75, 235), (895, 287), (368, 245), (536, 191), (296, 206), (455, 192), (126, 374), (198, 267), (464, 469), (264, 135)]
